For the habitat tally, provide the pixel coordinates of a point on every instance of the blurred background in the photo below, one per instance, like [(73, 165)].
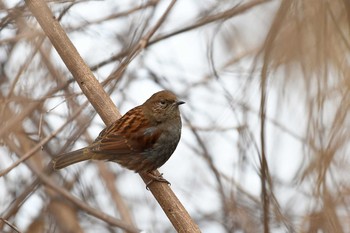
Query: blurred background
[(265, 124)]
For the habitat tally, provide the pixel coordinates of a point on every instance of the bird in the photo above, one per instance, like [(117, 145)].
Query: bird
[(142, 140)]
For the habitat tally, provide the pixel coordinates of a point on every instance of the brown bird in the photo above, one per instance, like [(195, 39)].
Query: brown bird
[(142, 140)]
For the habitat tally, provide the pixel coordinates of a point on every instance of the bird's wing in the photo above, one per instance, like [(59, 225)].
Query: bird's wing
[(131, 134)]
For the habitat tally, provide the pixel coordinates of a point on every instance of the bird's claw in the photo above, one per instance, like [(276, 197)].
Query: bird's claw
[(155, 177)]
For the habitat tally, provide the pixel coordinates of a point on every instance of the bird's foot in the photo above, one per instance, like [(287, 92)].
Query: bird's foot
[(156, 177)]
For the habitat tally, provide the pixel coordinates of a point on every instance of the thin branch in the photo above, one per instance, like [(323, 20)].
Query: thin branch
[(201, 22), (143, 42), (265, 174), (10, 225), (39, 145)]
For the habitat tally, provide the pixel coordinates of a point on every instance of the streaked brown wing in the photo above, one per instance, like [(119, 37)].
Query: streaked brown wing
[(131, 134)]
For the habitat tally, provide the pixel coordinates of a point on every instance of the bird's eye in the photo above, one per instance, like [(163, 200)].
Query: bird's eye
[(163, 103)]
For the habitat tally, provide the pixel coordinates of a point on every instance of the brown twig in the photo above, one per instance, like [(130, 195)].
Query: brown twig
[(151, 3), (266, 184), (143, 42), (10, 225), (201, 22), (41, 143)]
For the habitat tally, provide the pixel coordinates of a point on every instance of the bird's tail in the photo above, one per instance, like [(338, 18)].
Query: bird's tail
[(70, 158)]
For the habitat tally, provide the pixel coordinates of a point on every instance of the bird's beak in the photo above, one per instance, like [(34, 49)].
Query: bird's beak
[(180, 102)]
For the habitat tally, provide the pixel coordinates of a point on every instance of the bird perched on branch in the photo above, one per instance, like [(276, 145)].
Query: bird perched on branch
[(142, 140)]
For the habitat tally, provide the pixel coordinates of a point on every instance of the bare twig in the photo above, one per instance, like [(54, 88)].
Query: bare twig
[(42, 142), (10, 225), (265, 176)]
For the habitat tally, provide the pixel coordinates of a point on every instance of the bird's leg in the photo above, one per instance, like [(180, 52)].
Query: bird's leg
[(155, 177)]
